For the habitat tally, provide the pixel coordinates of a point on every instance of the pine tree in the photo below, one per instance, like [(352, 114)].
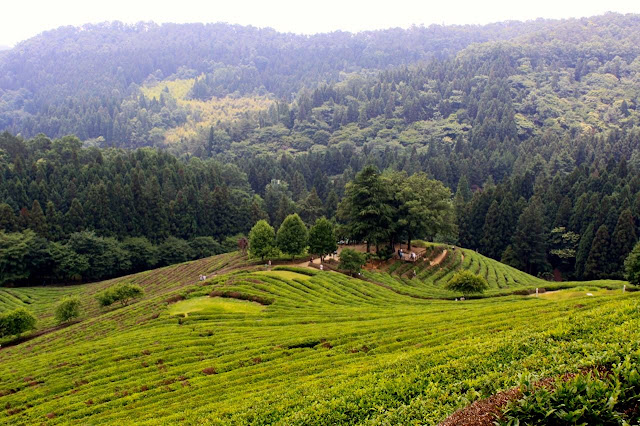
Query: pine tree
[(529, 242), (622, 242), (75, 220), (311, 208), (37, 220), (586, 240), (598, 265), (493, 232), (8, 221), (463, 191)]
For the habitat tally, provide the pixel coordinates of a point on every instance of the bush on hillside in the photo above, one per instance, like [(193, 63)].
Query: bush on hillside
[(16, 322), (68, 309), (122, 293), (467, 282), (352, 261)]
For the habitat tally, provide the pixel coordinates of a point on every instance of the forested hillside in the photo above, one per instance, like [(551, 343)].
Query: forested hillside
[(534, 126)]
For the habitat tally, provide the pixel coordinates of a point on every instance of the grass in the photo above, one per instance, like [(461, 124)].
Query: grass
[(329, 349)]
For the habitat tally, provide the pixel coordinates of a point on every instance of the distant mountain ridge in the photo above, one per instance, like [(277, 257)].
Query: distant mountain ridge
[(76, 79)]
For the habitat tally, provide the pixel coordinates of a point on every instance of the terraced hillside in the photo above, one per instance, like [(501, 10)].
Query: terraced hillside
[(428, 276), (296, 346)]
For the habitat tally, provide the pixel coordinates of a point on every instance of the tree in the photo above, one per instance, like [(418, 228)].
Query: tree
[(622, 241), (423, 206), (322, 238), (632, 266), (204, 247), (262, 240), (367, 208), (174, 250), (75, 220), (68, 309), (352, 261), (142, 254), (529, 243), (311, 207), (586, 240), (467, 283), (7, 218), (122, 293), (292, 236), (68, 265), (16, 251), (598, 264), (16, 322)]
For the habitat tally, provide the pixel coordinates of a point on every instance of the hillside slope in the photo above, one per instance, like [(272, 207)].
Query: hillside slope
[(320, 347)]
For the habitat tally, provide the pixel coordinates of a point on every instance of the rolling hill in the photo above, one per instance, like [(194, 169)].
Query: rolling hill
[(300, 346)]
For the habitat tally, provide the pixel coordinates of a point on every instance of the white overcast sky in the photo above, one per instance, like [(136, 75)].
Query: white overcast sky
[(22, 19)]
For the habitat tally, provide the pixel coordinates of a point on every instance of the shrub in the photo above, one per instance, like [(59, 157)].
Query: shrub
[(467, 283), (352, 261), (68, 309), (16, 322), (122, 293)]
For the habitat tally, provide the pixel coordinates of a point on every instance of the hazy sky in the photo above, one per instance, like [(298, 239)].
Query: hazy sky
[(22, 19)]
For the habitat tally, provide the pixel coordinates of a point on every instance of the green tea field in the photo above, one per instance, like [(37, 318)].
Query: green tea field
[(298, 346)]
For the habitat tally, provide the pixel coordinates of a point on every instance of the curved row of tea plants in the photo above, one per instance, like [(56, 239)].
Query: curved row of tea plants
[(320, 348)]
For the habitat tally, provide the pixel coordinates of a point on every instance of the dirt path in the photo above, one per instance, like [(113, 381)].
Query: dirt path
[(439, 259)]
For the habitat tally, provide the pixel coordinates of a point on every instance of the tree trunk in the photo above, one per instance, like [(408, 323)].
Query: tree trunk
[(409, 241), (368, 246)]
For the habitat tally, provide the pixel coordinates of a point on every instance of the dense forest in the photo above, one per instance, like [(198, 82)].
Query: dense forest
[(534, 127)]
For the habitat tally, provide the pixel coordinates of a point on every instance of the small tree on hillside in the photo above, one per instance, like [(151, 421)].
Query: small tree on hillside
[(352, 261), (322, 238), (632, 266), (262, 240), (68, 309), (122, 293), (292, 236), (467, 283), (16, 322)]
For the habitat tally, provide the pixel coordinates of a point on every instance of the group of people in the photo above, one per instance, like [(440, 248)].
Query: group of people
[(202, 277), (412, 255)]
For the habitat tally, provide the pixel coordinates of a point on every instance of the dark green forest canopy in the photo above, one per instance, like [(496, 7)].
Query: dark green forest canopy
[(534, 126)]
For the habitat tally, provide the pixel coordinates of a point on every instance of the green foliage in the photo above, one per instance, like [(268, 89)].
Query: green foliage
[(467, 282), (598, 397), (530, 240), (16, 322), (632, 265), (122, 293), (598, 264), (352, 261), (205, 247), (292, 237), (174, 250), (322, 238), (262, 240), (68, 309)]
